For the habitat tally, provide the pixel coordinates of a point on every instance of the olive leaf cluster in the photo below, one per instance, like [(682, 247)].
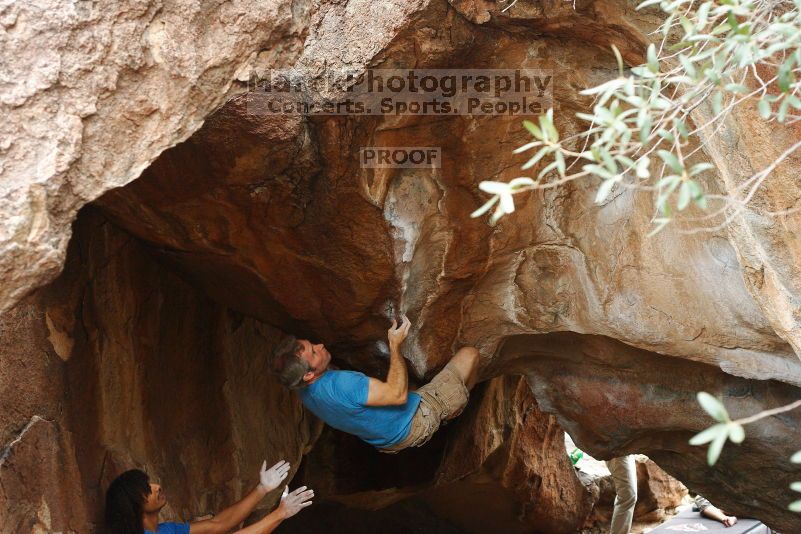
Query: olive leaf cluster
[(727, 429), (717, 54), (717, 434)]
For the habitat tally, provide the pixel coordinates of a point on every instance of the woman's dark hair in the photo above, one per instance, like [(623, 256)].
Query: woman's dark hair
[(125, 499)]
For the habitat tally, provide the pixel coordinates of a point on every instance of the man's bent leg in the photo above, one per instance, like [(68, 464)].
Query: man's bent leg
[(447, 392), (442, 399), (624, 475), (465, 364)]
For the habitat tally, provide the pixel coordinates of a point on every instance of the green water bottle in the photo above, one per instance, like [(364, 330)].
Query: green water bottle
[(576, 455)]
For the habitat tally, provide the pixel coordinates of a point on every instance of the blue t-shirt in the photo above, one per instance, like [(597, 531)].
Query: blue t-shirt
[(171, 528), (340, 399)]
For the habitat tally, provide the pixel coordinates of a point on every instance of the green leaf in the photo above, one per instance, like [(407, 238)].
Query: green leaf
[(527, 146), (611, 85), (671, 160), (682, 128), (494, 188), (653, 62), (497, 216), (764, 109), (609, 162), (795, 506), (732, 20), (531, 127), (713, 453), (521, 182), (713, 407), (705, 436), (785, 77), (642, 168), (717, 102), (698, 168), (666, 181), (736, 432), (619, 58), (485, 208), (783, 107), (604, 190), (688, 66), (703, 14), (548, 168), (665, 28), (597, 170), (666, 135), (695, 189), (736, 88), (701, 202), (686, 25), (538, 156), (660, 222), (546, 123), (560, 162), (685, 194), (645, 127)]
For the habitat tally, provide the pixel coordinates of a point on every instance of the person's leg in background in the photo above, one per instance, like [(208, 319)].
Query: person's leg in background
[(624, 475)]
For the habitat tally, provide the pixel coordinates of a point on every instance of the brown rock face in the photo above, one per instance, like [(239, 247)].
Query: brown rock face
[(154, 376), (511, 449), (149, 349), (581, 379), (656, 492), (81, 80)]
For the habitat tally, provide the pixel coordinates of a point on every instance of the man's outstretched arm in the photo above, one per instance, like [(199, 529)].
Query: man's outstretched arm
[(231, 517), (395, 390)]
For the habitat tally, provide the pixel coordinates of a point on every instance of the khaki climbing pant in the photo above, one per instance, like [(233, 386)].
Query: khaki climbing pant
[(441, 399), (624, 475)]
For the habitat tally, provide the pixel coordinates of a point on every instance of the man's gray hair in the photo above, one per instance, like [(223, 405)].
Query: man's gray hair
[(288, 364)]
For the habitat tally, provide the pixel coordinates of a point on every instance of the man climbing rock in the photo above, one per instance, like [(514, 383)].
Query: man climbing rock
[(385, 414)]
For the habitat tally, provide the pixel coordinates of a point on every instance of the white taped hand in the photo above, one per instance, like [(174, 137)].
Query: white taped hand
[(292, 503), (271, 478)]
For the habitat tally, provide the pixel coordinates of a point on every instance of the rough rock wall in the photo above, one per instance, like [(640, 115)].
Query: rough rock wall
[(613, 399), (252, 212), (239, 209), (121, 364), (79, 80), (559, 263), (509, 453)]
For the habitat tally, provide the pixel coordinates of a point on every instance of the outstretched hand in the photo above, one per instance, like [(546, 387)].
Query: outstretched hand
[(271, 478), (292, 503), (730, 521), (397, 334)]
